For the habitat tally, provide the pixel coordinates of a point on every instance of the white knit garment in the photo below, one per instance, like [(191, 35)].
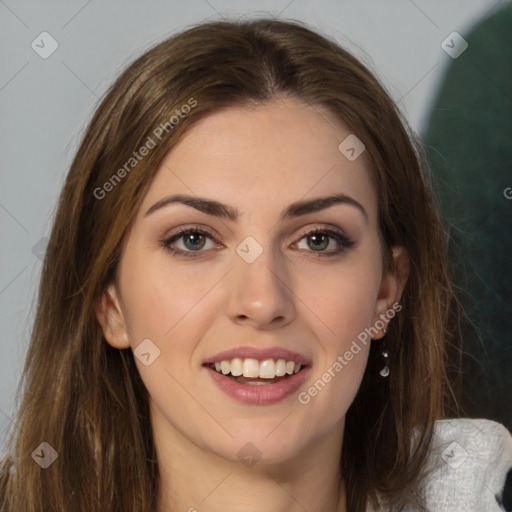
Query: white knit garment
[(468, 465)]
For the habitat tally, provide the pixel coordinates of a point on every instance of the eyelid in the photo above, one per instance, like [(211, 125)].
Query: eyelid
[(325, 228), (199, 228)]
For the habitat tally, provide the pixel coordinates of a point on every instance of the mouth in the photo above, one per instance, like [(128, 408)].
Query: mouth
[(258, 376), (255, 372)]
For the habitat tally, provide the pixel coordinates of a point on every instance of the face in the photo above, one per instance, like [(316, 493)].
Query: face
[(232, 257)]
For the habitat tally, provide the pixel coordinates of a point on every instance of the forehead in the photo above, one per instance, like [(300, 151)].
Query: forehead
[(275, 152)]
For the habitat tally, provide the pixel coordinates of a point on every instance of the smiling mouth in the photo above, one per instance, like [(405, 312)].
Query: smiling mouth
[(256, 372)]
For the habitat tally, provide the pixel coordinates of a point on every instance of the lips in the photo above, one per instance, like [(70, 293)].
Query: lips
[(258, 376)]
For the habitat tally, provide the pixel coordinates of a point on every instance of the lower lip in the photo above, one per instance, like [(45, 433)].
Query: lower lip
[(263, 394)]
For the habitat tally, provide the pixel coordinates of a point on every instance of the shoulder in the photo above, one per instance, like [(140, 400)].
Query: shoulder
[(468, 466)]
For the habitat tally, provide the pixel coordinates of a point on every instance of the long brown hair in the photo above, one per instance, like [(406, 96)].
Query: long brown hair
[(86, 399)]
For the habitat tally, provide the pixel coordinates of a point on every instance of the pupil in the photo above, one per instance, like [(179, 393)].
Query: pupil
[(319, 241)]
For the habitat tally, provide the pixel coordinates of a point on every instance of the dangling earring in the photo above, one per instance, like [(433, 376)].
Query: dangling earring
[(385, 371), (385, 356)]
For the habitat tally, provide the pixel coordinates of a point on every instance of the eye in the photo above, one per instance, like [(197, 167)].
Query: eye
[(326, 242), (191, 241), (188, 241)]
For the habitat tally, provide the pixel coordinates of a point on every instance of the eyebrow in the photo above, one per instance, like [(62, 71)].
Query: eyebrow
[(217, 209)]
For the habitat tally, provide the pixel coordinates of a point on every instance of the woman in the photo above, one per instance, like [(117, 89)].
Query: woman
[(244, 303)]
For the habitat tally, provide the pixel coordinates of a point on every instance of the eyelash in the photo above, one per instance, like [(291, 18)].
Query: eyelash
[(342, 239)]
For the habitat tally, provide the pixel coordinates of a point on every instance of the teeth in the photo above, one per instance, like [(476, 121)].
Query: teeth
[(252, 368), (267, 369), (225, 367), (280, 368), (237, 367)]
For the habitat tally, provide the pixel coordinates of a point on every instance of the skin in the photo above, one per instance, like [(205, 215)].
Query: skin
[(258, 160)]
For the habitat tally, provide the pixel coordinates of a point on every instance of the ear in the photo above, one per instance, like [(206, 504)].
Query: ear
[(392, 286), (111, 318)]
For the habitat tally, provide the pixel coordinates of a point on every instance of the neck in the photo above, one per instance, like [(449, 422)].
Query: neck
[(193, 479)]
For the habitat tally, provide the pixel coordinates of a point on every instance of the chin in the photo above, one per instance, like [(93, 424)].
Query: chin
[(256, 447)]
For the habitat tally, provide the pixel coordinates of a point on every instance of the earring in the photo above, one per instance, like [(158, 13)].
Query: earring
[(385, 371), (385, 356)]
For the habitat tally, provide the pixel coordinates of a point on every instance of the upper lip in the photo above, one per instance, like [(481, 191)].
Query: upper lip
[(260, 354)]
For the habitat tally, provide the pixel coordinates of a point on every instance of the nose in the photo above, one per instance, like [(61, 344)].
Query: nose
[(260, 293)]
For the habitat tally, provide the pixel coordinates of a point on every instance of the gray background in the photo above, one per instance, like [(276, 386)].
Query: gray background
[(46, 103)]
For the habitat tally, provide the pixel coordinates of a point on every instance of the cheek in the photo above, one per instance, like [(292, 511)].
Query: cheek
[(161, 296), (172, 306), (343, 315), (340, 301), (340, 305)]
